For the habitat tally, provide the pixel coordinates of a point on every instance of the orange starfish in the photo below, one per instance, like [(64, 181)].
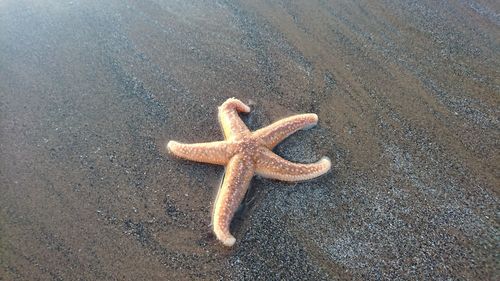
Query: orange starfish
[(245, 153)]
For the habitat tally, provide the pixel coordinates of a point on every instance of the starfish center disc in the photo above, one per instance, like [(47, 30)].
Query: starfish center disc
[(248, 146)]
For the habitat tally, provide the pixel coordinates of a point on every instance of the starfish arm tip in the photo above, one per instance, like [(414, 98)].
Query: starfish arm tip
[(229, 242), (171, 146), (224, 236), (325, 160), (236, 104), (312, 119)]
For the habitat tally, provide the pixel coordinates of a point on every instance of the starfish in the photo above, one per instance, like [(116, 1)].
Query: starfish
[(245, 153)]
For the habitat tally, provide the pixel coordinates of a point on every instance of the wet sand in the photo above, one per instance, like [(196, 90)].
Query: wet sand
[(407, 96)]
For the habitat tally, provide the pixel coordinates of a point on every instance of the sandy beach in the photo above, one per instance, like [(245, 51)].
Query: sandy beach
[(408, 100)]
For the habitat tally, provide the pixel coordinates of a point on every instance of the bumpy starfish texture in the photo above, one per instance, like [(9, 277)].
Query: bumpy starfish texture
[(245, 153)]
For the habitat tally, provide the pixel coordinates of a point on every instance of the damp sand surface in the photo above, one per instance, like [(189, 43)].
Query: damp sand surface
[(407, 96)]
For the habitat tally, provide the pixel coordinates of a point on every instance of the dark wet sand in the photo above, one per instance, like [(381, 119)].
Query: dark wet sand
[(408, 100)]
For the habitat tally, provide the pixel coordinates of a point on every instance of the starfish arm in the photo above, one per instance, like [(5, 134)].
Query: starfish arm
[(270, 165), (218, 152), (239, 172), (278, 131), (229, 119)]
